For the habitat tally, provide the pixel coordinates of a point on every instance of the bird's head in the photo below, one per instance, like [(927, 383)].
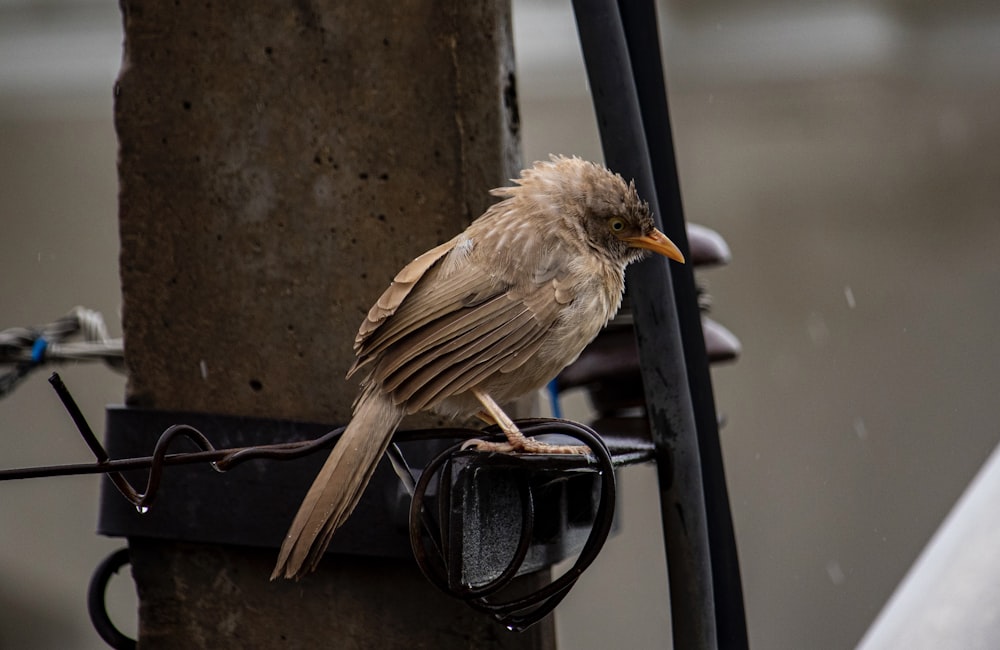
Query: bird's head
[(598, 204)]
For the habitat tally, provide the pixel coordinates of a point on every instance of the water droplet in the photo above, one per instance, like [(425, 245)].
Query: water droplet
[(860, 429), (849, 296), (215, 466), (836, 573), (141, 509), (817, 329), (203, 367)]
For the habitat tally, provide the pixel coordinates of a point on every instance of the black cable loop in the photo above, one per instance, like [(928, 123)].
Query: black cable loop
[(519, 613), (97, 605), (542, 602)]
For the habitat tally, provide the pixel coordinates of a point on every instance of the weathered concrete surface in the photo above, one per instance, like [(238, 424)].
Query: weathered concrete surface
[(278, 163), (212, 597)]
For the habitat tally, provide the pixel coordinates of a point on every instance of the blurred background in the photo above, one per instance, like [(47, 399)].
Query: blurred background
[(849, 152)]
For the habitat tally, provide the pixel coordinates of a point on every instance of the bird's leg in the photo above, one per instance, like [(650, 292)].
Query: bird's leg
[(485, 417), (516, 441)]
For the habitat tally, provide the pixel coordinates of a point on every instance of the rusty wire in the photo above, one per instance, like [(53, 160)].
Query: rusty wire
[(221, 460)]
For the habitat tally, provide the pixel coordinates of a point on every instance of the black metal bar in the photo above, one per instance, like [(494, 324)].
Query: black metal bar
[(642, 34), (116, 478), (662, 360), (547, 483), (77, 416)]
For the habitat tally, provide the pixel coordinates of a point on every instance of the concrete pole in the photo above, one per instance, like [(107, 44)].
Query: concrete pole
[(278, 163)]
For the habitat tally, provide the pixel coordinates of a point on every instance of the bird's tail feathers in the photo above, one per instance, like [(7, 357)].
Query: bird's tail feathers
[(339, 485)]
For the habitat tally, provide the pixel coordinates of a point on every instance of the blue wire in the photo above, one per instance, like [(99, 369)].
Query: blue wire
[(553, 387), (38, 349)]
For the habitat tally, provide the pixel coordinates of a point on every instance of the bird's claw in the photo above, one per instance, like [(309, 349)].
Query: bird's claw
[(485, 446), (526, 446)]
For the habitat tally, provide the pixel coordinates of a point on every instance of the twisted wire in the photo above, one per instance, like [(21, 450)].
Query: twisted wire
[(26, 349)]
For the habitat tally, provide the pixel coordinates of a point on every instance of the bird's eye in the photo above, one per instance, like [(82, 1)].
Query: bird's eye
[(616, 224)]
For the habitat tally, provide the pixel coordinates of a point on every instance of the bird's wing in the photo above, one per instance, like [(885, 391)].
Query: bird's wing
[(393, 297), (452, 332), (466, 346)]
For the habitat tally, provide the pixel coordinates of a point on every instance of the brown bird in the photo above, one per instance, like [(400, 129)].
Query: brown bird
[(484, 318)]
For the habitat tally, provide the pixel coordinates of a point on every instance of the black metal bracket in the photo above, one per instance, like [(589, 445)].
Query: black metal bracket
[(498, 515), (252, 507), (515, 527)]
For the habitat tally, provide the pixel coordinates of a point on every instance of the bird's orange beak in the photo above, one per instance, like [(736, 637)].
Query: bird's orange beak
[(657, 242)]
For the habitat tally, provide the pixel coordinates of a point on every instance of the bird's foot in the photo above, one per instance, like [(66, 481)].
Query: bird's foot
[(516, 441), (524, 445), (484, 445)]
